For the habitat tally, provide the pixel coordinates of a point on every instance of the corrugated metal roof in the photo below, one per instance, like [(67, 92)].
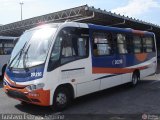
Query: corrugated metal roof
[(81, 14)]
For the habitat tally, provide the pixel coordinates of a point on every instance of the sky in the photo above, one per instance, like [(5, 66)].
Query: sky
[(146, 10)]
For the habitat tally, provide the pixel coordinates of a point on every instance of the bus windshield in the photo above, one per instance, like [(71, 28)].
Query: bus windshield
[(32, 48)]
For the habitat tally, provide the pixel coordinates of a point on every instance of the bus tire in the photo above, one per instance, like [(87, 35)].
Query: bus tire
[(61, 99), (135, 79)]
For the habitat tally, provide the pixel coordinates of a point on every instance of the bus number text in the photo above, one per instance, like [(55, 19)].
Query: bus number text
[(36, 74), (117, 62)]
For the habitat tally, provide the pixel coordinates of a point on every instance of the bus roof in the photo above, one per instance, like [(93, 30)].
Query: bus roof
[(45, 25), (100, 27), (116, 29)]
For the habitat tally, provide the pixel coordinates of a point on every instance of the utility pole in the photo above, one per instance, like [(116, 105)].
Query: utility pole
[(21, 4)]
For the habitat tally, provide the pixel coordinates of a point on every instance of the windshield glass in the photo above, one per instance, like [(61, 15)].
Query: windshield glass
[(32, 48)]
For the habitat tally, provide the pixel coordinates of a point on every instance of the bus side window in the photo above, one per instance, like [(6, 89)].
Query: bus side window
[(71, 44), (74, 46), (122, 43), (148, 44), (137, 44), (102, 43), (82, 50), (67, 50)]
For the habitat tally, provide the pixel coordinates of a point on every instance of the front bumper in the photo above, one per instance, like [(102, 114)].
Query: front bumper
[(39, 97)]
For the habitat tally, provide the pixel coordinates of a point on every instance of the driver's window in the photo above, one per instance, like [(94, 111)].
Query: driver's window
[(67, 45), (68, 51), (71, 44), (55, 55), (56, 52)]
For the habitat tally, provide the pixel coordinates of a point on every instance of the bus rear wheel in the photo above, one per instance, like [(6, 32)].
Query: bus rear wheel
[(135, 79), (61, 99)]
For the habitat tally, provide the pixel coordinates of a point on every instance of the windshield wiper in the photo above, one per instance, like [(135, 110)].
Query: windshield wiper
[(19, 53), (24, 58)]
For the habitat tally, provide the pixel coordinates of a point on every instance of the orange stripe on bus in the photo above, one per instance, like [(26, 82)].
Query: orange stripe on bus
[(138, 32), (115, 70)]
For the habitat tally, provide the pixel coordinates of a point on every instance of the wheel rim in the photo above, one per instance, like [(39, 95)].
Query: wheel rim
[(61, 99), (135, 79)]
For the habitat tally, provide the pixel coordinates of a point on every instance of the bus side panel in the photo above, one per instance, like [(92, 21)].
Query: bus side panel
[(87, 87), (151, 68), (126, 77), (106, 69), (104, 66), (111, 81), (125, 60), (78, 73), (51, 82)]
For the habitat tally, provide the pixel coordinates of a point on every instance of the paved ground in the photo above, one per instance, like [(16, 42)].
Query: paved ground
[(144, 98)]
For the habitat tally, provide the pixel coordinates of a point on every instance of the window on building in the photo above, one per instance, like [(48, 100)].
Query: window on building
[(1, 49), (6, 47)]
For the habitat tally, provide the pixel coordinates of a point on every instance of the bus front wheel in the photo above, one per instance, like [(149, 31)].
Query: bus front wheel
[(61, 99)]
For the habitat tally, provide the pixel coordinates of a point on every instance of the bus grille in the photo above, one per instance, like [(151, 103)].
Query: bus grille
[(16, 94)]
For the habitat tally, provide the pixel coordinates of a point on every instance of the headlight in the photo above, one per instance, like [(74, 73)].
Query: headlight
[(35, 87)]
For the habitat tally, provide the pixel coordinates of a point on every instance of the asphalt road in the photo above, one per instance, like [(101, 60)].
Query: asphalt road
[(144, 98)]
